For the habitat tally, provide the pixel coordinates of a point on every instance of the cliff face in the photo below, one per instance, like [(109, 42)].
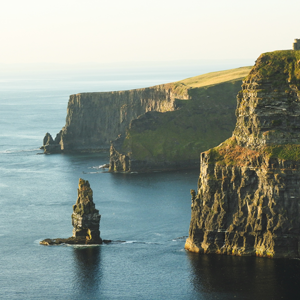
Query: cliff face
[(94, 119), (248, 198), (174, 139)]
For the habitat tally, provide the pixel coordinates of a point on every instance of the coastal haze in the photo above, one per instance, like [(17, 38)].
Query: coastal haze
[(53, 50), (136, 31)]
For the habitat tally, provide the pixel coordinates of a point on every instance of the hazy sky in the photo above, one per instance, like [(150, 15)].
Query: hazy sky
[(72, 31)]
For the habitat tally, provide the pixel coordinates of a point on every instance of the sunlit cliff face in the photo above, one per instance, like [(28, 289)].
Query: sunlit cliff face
[(248, 189)]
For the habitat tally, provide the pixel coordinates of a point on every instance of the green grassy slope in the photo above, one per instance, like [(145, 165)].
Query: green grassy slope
[(202, 122)]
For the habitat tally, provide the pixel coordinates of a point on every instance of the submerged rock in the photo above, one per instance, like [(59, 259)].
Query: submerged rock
[(85, 219), (248, 198)]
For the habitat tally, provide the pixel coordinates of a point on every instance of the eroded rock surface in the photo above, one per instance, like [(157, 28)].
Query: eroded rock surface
[(248, 198), (85, 219), (51, 146)]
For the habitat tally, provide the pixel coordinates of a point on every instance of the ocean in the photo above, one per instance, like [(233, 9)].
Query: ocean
[(148, 214)]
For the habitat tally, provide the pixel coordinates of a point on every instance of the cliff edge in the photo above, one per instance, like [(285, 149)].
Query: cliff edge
[(248, 198), (94, 119)]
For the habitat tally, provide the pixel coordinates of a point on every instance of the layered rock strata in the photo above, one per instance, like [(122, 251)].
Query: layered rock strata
[(248, 198), (94, 119), (85, 219)]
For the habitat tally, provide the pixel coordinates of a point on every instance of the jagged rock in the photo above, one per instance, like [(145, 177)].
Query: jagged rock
[(85, 217), (50, 145), (85, 220), (48, 139), (248, 195)]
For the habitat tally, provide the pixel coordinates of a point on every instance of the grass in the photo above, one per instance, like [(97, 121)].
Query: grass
[(203, 122), (214, 78), (230, 153), (285, 152), (279, 66)]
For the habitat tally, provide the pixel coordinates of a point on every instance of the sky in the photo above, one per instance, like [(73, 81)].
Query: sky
[(97, 31)]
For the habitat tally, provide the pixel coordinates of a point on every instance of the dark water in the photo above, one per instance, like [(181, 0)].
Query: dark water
[(149, 212)]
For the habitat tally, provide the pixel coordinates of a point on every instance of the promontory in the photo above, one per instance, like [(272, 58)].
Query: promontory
[(248, 197), (164, 127)]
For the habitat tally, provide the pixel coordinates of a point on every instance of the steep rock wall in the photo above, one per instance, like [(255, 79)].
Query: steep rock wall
[(94, 119), (248, 198)]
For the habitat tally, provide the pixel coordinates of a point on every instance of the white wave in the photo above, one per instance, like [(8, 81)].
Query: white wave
[(129, 242), (105, 166), (38, 241), (9, 151), (81, 246), (91, 172)]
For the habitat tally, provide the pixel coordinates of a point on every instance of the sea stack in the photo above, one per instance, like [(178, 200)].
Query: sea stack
[(85, 220), (248, 198), (85, 217)]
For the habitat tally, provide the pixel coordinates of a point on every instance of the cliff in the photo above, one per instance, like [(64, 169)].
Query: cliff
[(94, 119), (173, 139), (248, 198)]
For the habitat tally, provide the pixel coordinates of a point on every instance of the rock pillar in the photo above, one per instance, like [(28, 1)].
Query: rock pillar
[(85, 217)]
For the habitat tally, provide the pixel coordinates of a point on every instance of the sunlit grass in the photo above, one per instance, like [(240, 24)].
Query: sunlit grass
[(215, 77)]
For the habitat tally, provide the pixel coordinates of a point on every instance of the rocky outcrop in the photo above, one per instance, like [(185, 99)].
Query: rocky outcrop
[(94, 119), (248, 198), (51, 146), (85, 219)]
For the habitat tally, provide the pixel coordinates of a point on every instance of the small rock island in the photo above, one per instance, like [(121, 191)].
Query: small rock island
[(85, 220)]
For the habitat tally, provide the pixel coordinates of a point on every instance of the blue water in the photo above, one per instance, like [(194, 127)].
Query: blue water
[(149, 212)]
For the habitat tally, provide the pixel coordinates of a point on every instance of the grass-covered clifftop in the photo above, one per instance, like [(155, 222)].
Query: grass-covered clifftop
[(278, 66), (176, 138)]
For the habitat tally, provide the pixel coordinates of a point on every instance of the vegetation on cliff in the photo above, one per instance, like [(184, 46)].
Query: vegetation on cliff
[(279, 67), (198, 123)]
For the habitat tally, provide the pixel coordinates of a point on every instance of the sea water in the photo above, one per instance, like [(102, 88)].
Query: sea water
[(148, 214)]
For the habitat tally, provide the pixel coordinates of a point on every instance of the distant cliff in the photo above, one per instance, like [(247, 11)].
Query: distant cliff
[(94, 119), (173, 140), (248, 198)]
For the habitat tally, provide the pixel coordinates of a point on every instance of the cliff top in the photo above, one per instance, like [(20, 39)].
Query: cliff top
[(215, 77), (278, 66), (208, 79)]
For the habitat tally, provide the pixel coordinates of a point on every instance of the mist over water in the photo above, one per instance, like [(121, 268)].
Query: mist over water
[(150, 213)]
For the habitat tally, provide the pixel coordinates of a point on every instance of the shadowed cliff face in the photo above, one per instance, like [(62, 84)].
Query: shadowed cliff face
[(248, 199), (174, 139), (94, 119)]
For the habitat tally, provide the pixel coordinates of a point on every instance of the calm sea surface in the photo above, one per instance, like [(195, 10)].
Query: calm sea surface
[(149, 212)]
